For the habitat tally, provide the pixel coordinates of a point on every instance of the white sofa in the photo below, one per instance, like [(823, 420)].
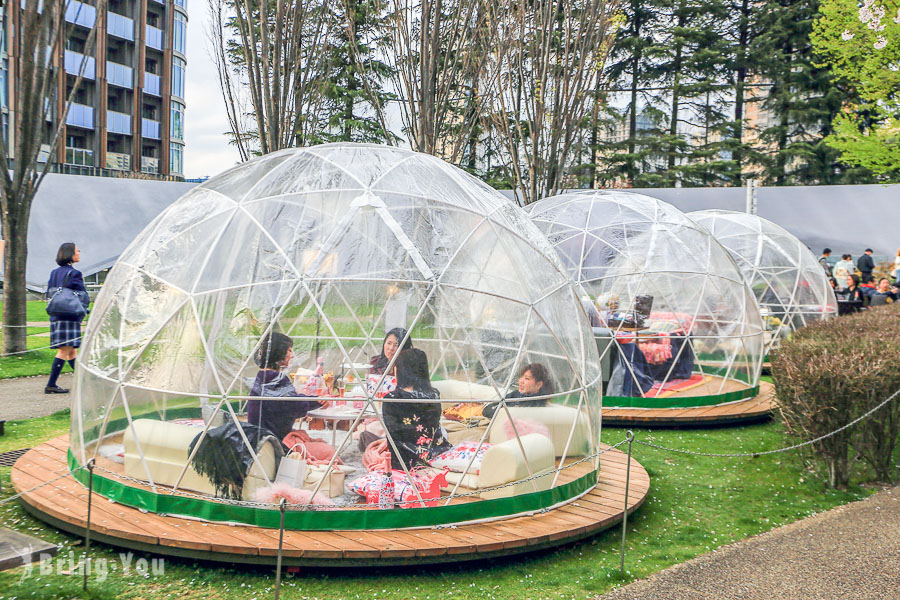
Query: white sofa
[(558, 419), (166, 450), (453, 392), (505, 463)]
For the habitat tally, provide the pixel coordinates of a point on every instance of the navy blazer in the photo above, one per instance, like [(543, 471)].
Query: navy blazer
[(76, 282)]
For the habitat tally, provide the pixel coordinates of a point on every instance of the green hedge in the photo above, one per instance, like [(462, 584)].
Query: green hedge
[(834, 371)]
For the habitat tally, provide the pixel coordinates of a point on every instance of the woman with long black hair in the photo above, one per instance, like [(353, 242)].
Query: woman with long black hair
[(389, 348), (65, 330), (414, 426)]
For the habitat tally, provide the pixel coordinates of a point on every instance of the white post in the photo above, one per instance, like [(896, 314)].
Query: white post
[(751, 197)]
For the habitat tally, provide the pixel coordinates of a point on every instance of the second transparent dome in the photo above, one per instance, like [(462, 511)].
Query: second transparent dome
[(683, 321)]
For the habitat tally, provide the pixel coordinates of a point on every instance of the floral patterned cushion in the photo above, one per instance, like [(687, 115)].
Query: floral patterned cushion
[(457, 458)]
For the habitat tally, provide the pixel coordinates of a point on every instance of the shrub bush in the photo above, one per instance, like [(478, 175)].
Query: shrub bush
[(833, 371)]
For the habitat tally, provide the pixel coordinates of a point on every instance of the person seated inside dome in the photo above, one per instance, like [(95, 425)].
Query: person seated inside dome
[(533, 381), (274, 353), (389, 348), (415, 427)]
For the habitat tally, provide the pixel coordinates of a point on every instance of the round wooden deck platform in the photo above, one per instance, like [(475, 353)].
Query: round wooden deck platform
[(754, 409), (63, 504)]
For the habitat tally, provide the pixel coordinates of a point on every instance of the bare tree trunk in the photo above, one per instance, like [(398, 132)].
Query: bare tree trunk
[(436, 46), (740, 80), (631, 166), (676, 101), (40, 35), (271, 58), (548, 61)]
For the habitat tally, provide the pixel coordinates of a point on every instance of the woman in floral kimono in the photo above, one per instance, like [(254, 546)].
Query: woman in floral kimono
[(413, 426)]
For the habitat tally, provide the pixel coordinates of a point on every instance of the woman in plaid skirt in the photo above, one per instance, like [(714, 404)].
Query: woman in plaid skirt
[(65, 335)]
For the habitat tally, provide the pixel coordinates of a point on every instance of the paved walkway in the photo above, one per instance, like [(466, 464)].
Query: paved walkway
[(850, 552), (24, 397)]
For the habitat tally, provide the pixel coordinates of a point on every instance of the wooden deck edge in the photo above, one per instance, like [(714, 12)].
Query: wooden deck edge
[(582, 517), (752, 410)]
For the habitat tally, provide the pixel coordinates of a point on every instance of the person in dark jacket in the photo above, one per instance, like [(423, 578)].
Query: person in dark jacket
[(389, 347), (865, 264), (823, 261), (65, 333), (851, 298), (274, 354), (414, 427), (533, 381)]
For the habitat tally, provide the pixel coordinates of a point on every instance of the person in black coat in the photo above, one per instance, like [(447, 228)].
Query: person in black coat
[(865, 264), (534, 382), (65, 333), (274, 354)]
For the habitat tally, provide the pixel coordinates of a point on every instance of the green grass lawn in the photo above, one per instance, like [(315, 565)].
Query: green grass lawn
[(32, 363), (696, 504)]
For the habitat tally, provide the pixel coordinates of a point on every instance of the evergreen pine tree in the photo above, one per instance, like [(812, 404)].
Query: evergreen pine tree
[(627, 69), (356, 75), (691, 64)]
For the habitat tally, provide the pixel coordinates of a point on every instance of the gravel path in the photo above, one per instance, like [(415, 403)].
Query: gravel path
[(24, 397), (850, 552)]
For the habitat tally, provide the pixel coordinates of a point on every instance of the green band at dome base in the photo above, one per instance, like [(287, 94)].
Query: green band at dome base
[(679, 401), (325, 520)]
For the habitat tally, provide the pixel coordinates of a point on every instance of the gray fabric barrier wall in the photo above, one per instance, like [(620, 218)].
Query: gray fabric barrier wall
[(845, 218), (102, 215)]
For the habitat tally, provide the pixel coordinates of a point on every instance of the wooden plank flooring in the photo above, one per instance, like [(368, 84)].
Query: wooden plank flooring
[(753, 409), (63, 504)]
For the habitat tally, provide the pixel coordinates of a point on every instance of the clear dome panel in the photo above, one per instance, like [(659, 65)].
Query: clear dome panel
[(790, 286), (348, 251), (683, 321)]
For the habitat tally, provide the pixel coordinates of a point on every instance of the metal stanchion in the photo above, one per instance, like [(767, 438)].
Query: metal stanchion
[(280, 546), (630, 437), (87, 530)]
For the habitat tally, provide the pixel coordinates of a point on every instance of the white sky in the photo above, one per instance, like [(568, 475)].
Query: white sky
[(207, 151)]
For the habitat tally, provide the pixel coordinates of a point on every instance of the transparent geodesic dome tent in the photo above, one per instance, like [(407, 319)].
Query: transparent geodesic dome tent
[(673, 318), (341, 249), (791, 287)]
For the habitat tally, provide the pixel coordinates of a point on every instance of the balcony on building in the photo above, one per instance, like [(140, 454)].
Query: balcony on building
[(119, 26), (149, 164), (119, 75), (79, 156), (117, 122), (73, 62), (154, 37), (152, 84), (80, 115), (79, 13), (117, 161), (150, 129)]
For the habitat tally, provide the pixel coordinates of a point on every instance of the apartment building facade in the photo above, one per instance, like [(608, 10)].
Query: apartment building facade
[(128, 113)]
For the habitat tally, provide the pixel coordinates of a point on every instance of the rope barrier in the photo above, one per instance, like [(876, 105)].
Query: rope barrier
[(764, 452), (50, 347)]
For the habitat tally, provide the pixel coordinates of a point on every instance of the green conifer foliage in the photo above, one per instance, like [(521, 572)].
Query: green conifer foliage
[(354, 88), (803, 100)]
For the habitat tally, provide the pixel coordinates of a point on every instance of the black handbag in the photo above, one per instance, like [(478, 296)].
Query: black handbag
[(65, 303)]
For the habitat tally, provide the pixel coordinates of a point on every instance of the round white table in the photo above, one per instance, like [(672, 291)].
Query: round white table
[(330, 414)]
